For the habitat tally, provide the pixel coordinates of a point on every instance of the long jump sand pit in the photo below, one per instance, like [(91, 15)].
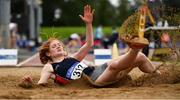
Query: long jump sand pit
[(138, 86)]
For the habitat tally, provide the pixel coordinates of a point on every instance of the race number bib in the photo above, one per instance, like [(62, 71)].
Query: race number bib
[(76, 70)]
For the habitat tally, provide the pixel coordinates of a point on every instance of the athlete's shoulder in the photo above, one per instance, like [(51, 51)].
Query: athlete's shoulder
[(48, 67)]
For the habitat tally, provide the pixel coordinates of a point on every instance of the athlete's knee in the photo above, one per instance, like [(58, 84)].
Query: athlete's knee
[(141, 57), (113, 67)]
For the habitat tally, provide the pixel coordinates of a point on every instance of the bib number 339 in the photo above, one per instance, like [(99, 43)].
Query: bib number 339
[(76, 70)]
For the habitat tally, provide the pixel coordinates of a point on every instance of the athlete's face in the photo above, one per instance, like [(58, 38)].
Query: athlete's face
[(56, 49)]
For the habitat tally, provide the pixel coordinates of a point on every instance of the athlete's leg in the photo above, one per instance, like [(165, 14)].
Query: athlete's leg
[(145, 64), (116, 65), (126, 63)]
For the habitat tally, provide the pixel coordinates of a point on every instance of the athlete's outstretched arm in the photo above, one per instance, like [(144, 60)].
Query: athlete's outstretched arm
[(88, 19), (45, 74)]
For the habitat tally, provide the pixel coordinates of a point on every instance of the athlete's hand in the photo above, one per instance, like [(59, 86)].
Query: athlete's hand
[(26, 82), (88, 14)]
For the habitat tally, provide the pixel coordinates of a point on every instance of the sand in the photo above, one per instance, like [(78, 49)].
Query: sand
[(135, 86)]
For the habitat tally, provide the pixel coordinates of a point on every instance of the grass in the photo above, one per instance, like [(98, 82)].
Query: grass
[(65, 32)]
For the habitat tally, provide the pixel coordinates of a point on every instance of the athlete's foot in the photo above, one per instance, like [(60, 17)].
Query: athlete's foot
[(157, 71), (135, 42), (138, 43)]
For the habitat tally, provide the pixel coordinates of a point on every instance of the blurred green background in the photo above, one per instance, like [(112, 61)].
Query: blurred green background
[(65, 32)]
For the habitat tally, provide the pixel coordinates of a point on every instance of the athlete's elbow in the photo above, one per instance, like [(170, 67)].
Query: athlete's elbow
[(91, 44), (42, 83)]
